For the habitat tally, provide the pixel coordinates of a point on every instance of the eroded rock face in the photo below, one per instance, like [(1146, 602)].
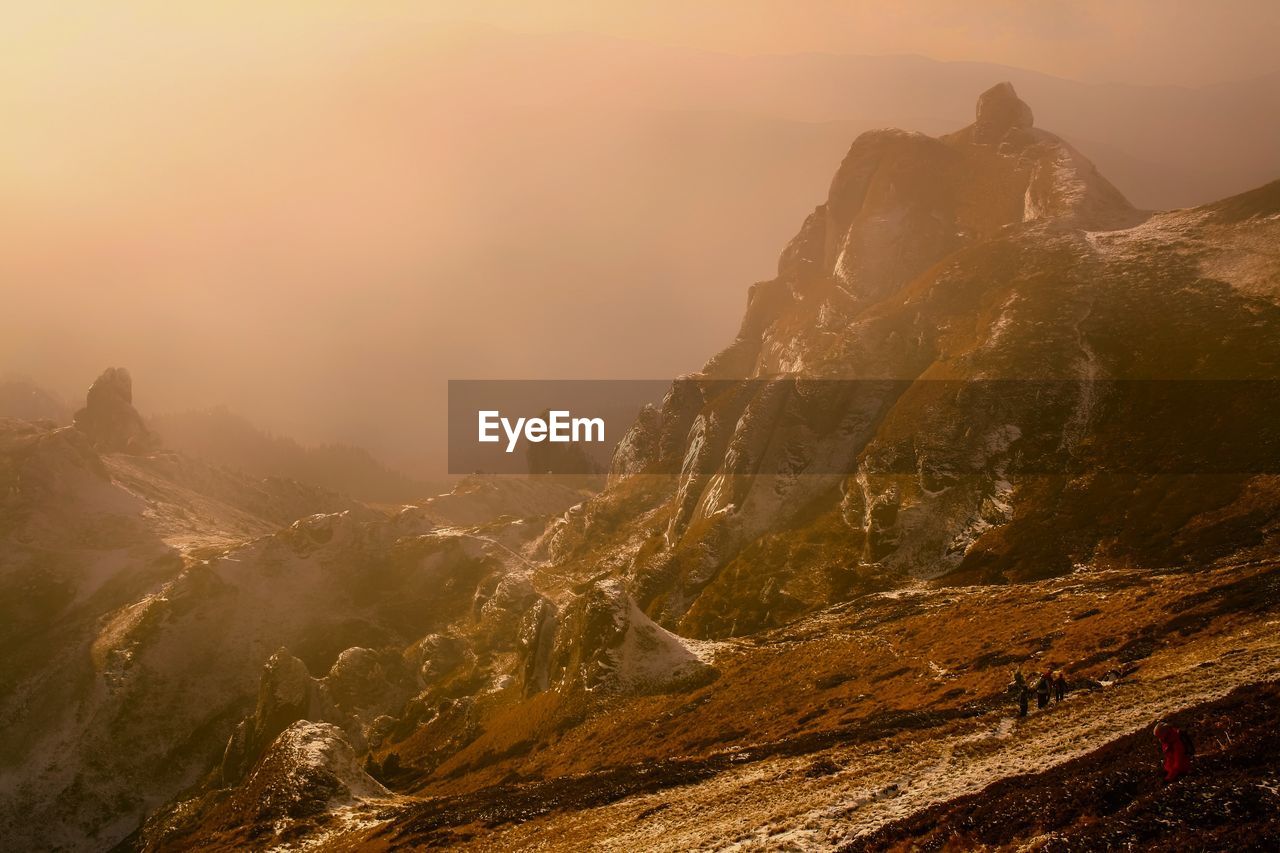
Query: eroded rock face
[(109, 418), (536, 644), (637, 451)]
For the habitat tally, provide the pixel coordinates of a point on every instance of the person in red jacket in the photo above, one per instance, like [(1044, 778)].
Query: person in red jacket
[(1174, 748)]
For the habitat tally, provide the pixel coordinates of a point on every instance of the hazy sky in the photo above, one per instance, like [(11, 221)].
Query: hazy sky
[(318, 212), (1132, 41), (1188, 42)]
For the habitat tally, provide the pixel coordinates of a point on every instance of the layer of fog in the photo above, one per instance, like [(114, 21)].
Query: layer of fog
[(321, 235)]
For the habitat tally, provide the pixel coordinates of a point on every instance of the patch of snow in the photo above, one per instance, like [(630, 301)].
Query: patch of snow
[(651, 656)]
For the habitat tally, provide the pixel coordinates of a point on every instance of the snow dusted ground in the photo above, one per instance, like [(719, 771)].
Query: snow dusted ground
[(652, 656), (1242, 255), (819, 800)]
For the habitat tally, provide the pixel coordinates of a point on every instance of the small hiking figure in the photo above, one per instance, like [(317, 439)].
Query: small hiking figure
[(1042, 689), (1176, 747), (1059, 686), (1021, 691)]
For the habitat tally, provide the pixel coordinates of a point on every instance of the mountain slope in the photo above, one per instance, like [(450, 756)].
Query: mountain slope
[(816, 733), (956, 339), (1231, 802)]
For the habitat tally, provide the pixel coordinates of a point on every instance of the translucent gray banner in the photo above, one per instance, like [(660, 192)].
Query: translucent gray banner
[(791, 426)]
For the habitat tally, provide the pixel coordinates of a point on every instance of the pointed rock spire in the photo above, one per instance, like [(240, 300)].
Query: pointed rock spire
[(109, 418), (1000, 110)]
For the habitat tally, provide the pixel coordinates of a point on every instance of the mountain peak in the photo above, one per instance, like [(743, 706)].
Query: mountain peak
[(1000, 110)]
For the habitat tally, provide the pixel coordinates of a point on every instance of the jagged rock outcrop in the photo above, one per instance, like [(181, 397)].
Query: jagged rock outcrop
[(361, 687), (109, 418), (1000, 114), (286, 694)]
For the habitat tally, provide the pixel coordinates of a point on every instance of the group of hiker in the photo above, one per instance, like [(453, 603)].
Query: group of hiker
[(1050, 684), (1176, 747)]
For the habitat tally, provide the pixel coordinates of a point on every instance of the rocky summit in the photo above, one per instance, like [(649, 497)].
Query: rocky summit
[(987, 415), (1001, 113)]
